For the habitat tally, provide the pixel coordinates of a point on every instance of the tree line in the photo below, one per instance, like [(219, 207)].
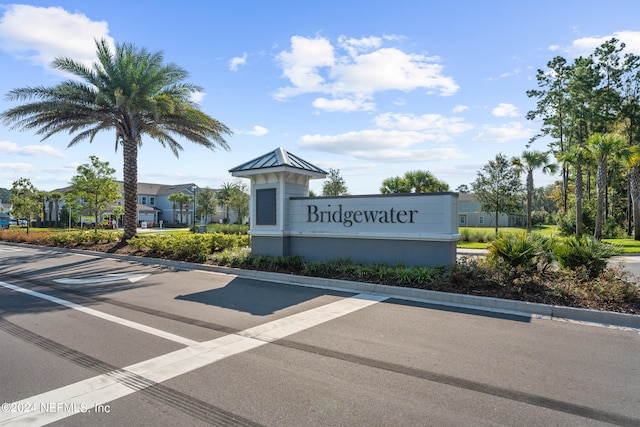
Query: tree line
[(590, 111)]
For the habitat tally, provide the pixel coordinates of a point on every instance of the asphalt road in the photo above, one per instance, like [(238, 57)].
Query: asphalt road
[(93, 341)]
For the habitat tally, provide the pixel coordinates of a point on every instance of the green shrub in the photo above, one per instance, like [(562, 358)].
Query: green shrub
[(227, 228), (78, 237), (588, 253), (517, 250), (222, 241), (465, 233), (196, 247)]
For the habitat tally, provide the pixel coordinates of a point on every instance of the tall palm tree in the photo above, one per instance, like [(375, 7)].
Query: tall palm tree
[(182, 200), (224, 195), (129, 91), (423, 181), (530, 161), (173, 198), (395, 185), (577, 156), (605, 147), (56, 197)]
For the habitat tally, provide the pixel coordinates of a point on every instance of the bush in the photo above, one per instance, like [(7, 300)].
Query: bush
[(519, 251), (227, 228), (587, 252), (482, 235), (21, 236), (567, 222), (72, 238), (540, 218)]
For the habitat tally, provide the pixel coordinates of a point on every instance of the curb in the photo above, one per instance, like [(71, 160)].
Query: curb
[(489, 304)]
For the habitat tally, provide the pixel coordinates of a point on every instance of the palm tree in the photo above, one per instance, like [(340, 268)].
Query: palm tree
[(182, 200), (605, 147), (173, 198), (532, 160), (56, 197), (422, 181), (395, 185), (129, 91), (577, 156), (224, 195)]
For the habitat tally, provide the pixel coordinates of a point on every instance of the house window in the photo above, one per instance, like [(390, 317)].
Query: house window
[(143, 200), (481, 220), (463, 219), (152, 201)]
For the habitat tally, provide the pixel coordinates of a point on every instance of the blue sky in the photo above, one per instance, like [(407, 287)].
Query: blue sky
[(373, 88)]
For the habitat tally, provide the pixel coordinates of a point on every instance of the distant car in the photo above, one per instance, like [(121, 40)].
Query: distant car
[(13, 222)]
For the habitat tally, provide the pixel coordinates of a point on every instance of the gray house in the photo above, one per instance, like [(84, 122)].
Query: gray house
[(155, 209), (469, 215)]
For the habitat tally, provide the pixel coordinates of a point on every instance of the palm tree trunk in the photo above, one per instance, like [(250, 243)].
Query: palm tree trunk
[(57, 209), (529, 199), (602, 189), (634, 178), (579, 193), (130, 183)]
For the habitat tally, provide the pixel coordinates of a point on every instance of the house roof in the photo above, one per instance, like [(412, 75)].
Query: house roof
[(275, 159), (147, 189), (466, 197)]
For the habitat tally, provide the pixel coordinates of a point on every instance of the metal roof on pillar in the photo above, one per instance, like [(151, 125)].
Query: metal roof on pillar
[(278, 159)]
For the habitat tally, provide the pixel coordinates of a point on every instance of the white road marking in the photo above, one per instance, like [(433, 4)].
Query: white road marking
[(104, 278), (5, 249), (102, 389), (105, 316)]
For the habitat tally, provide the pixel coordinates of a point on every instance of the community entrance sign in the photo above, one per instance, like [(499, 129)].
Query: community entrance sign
[(409, 228)]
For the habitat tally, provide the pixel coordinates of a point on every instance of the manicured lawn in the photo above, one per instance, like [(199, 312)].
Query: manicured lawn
[(629, 246)]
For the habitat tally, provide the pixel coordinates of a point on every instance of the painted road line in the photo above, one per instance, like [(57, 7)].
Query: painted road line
[(102, 279), (96, 392), (105, 316)]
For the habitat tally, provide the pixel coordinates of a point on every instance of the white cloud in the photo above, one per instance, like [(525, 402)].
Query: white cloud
[(343, 104), (364, 68), (586, 45), (237, 62), (500, 134), (7, 147), (433, 124), (356, 46), (18, 168), (460, 108), (39, 34), (408, 156), (363, 140), (258, 131), (388, 146), (505, 110), (197, 97), (378, 144), (302, 63)]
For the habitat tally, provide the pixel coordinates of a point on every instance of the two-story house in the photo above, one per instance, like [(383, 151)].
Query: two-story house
[(155, 207)]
